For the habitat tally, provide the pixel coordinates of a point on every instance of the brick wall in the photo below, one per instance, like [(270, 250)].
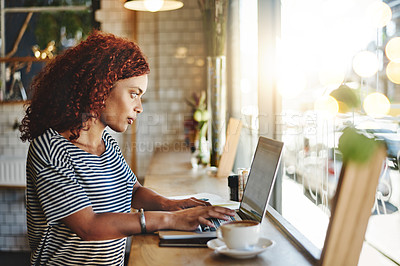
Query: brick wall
[(173, 43), (13, 236), (10, 144), (12, 201), (114, 18)]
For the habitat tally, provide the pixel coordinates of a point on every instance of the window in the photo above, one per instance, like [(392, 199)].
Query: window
[(330, 65), (320, 46), (242, 49)]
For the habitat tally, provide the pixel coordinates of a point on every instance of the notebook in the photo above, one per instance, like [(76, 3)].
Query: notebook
[(260, 182)]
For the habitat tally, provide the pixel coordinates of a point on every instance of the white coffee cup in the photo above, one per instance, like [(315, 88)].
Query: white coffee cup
[(239, 234)]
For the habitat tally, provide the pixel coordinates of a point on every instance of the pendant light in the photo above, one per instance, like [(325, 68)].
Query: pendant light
[(153, 5)]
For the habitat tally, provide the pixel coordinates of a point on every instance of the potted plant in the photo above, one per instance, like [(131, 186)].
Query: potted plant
[(197, 129)]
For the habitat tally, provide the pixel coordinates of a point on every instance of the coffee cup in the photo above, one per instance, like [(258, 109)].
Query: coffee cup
[(239, 234)]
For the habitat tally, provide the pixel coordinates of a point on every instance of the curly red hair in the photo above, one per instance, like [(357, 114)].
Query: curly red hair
[(74, 86)]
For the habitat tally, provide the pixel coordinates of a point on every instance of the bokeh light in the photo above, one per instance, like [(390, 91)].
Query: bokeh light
[(376, 105), (326, 106), (393, 72), (379, 14), (181, 52), (392, 50), (365, 64)]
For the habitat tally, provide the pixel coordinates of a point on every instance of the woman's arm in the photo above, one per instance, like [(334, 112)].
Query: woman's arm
[(90, 226), (149, 200)]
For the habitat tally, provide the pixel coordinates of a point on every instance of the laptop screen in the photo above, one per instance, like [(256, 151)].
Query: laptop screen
[(261, 178)]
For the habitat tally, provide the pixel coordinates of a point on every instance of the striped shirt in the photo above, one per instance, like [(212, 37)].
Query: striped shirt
[(63, 179)]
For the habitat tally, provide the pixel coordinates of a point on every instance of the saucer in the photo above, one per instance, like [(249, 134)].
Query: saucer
[(220, 247)]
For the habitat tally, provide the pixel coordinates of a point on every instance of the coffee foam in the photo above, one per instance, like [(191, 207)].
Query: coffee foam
[(241, 223)]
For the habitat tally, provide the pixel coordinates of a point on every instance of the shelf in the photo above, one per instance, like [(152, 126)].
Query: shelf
[(45, 9), (23, 59)]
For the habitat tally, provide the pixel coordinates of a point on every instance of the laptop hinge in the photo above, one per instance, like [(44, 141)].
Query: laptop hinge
[(242, 214)]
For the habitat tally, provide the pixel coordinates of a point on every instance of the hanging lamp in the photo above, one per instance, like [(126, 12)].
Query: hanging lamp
[(153, 5)]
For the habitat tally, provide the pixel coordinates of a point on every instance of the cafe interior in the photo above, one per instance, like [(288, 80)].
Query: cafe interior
[(223, 73)]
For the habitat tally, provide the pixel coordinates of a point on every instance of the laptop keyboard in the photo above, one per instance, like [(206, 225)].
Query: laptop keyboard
[(217, 223)]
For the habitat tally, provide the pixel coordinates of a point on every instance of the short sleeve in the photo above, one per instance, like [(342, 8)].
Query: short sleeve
[(59, 192)]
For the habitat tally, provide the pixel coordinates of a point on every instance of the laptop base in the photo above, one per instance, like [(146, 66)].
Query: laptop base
[(189, 242)]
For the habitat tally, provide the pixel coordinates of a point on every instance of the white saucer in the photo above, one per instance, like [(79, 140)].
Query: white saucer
[(220, 247)]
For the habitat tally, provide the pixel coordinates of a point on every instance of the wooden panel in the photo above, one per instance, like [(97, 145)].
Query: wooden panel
[(229, 152), (351, 210)]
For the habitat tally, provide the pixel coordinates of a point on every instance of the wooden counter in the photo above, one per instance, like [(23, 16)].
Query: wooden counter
[(170, 174)]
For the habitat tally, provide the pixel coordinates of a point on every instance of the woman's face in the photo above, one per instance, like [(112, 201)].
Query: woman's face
[(124, 103)]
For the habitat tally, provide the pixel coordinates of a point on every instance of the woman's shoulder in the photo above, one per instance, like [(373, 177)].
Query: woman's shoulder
[(49, 144), (108, 138), (49, 137), (110, 142)]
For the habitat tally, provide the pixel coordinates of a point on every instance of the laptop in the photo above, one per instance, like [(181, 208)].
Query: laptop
[(258, 190)]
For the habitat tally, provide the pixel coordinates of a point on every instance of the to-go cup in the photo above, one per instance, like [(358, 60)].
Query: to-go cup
[(239, 234)]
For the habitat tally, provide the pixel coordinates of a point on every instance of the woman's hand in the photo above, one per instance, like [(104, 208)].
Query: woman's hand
[(151, 201), (176, 205), (190, 219)]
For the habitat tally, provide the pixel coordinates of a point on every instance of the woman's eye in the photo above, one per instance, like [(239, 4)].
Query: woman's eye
[(134, 95)]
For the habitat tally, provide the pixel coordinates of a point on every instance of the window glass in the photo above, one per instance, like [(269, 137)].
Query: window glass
[(245, 97), (333, 58), (338, 66)]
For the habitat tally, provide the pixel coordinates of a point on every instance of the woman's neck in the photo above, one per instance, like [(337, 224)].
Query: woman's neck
[(90, 138)]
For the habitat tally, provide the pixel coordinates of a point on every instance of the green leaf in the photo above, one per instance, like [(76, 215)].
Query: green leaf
[(356, 145), (346, 97)]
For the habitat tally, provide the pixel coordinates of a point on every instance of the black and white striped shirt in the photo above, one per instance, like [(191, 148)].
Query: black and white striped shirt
[(63, 179)]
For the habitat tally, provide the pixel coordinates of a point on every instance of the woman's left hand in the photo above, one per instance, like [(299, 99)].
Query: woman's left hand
[(151, 201), (176, 205)]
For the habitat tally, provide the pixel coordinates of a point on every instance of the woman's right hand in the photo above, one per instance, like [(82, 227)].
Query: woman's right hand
[(190, 219)]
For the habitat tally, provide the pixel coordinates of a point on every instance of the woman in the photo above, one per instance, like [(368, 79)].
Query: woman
[(79, 187)]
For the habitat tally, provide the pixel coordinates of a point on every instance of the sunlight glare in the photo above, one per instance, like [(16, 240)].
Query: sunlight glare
[(331, 73), (291, 82), (365, 64)]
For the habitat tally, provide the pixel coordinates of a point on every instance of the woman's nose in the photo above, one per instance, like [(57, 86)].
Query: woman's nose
[(139, 107)]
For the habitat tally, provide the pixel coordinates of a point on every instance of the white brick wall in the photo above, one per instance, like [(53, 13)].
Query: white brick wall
[(13, 220), (165, 107), (10, 144), (12, 201), (114, 18)]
